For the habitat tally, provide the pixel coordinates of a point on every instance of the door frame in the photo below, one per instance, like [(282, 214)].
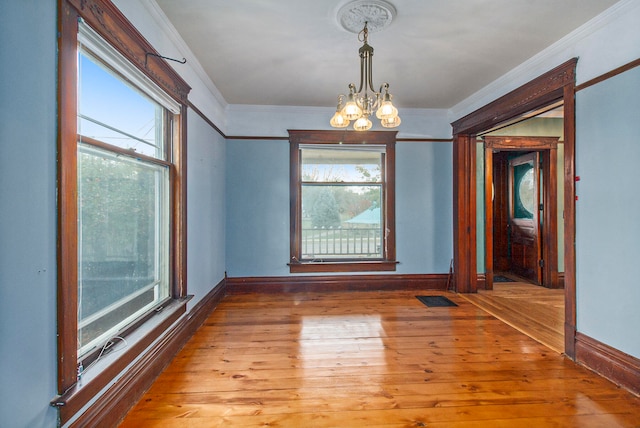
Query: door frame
[(548, 149), (556, 85)]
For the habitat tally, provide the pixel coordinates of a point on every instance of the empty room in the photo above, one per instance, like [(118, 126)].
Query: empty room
[(220, 213)]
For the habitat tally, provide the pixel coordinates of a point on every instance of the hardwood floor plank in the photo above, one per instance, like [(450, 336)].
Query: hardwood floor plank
[(531, 309), (372, 359)]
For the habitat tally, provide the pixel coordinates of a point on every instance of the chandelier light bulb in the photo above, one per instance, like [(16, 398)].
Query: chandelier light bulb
[(339, 121), (362, 124), (391, 122), (386, 110), (351, 110)]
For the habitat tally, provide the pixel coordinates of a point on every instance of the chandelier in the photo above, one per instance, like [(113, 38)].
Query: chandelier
[(360, 104)]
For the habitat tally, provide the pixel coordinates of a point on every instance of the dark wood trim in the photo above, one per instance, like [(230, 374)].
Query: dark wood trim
[(337, 283), (306, 136), (539, 92), (617, 366), (505, 143), (489, 195), (399, 140), (464, 214), (550, 218), (78, 395), (556, 85), (482, 282), (120, 397), (107, 20), (295, 218), (608, 75), (206, 119), (67, 244), (424, 140), (337, 138), (389, 198), (125, 152), (569, 221), (357, 266), (249, 137), (179, 205), (547, 146)]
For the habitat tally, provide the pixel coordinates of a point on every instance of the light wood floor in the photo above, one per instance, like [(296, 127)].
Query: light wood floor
[(536, 311), (372, 359)]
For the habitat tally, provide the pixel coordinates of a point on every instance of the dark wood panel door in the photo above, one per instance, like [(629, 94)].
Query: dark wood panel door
[(524, 216)]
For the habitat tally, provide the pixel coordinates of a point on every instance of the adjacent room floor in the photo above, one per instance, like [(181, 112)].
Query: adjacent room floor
[(534, 310), (372, 359)]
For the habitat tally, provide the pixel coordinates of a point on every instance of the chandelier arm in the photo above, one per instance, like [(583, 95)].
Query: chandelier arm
[(370, 71), (363, 67)]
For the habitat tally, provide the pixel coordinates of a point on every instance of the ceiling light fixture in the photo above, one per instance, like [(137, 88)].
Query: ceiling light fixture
[(363, 101)]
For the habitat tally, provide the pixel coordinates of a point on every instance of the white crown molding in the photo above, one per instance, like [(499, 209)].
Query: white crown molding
[(163, 22), (539, 63)]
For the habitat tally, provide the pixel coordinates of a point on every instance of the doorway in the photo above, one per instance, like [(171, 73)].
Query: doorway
[(556, 85), (521, 206)]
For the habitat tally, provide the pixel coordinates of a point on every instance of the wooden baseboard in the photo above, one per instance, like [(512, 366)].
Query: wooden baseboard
[(331, 283), (114, 404), (481, 281), (620, 368), (560, 280)]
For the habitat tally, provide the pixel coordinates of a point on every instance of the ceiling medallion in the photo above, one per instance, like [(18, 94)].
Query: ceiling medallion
[(378, 14)]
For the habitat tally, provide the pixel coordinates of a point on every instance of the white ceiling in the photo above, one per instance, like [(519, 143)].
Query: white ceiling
[(434, 54)]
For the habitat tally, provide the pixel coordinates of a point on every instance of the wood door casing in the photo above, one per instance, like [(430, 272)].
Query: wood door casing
[(524, 217), (498, 149), (500, 230), (556, 85)]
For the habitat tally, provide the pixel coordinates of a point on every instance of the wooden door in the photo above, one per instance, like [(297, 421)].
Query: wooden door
[(524, 216)]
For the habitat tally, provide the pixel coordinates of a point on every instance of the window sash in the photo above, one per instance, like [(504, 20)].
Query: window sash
[(93, 115), (95, 271), (356, 234), (93, 42), (128, 308)]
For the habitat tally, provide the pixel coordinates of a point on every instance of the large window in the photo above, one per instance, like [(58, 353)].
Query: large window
[(122, 199), (342, 210)]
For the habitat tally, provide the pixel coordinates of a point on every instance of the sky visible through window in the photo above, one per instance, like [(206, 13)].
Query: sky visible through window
[(106, 98)]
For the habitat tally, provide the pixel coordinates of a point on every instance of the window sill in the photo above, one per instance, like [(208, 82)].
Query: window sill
[(112, 364), (346, 266)]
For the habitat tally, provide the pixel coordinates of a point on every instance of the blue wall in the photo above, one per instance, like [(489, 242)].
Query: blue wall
[(205, 207), (258, 207), (28, 283), (28, 213), (246, 183), (608, 212)]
